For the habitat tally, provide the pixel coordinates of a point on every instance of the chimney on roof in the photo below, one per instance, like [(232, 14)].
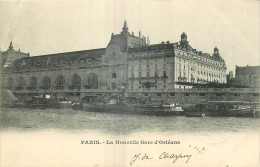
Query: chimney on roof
[(148, 40), (140, 34)]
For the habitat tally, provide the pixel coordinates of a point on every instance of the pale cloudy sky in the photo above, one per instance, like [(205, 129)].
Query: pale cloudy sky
[(45, 27)]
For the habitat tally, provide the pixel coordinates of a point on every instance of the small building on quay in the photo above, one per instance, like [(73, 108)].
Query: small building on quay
[(161, 72)]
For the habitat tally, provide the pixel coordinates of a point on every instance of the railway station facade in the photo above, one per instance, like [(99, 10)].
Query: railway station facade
[(128, 63)]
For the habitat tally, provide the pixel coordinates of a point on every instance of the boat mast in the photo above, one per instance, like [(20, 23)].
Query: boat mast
[(53, 87)]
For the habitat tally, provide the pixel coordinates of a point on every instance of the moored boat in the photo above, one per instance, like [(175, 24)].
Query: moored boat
[(222, 108), (124, 108)]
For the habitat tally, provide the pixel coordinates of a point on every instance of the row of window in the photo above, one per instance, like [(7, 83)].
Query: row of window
[(148, 74), (92, 81), (205, 66), (207, 74), (141, 60), (147, 66), (192, 69), (211, 62)]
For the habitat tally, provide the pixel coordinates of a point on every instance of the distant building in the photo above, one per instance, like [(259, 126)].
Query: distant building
[(248, 76), (230, 77), (128, 61)]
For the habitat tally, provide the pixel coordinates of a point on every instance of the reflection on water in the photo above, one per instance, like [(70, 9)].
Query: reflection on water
[(74, 120)]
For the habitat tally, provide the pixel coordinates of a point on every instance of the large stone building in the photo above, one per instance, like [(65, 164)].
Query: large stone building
[(128, 62), (248, 76)]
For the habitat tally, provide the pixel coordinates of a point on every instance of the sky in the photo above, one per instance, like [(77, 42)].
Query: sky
[(46, 27)]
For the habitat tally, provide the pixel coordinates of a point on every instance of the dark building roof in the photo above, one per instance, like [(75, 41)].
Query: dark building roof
[(81, 54), (162, 46), (59, 59)]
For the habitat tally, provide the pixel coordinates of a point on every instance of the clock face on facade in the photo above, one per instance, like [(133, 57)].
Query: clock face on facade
[(114, 55)]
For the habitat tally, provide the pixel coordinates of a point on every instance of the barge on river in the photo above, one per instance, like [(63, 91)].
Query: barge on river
[(222, 109), (124, 108)]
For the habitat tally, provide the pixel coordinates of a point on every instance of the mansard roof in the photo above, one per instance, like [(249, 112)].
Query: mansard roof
[(80, 54), (188, 48), (161, 46), (59, 59), (167, 45)]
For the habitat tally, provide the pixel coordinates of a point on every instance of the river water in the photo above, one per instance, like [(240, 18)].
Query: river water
[(23, 119)]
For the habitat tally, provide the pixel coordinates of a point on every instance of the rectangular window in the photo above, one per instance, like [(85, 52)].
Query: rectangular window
[(164, 74), (140, 74), (132, 75), (156, 74)]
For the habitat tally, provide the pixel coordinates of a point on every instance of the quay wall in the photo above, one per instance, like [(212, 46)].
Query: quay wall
[(184, 96)]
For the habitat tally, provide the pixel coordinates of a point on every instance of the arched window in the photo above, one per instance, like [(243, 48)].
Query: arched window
[(114, 76), (10, 83), (48, 60), (93, 81), (33, 81), (60, 80), (21, 82), (46, 82), (76, 80)]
